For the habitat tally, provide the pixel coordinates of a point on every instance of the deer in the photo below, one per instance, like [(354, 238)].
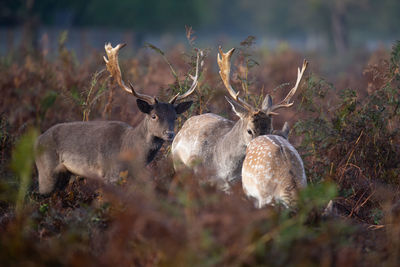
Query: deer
[(284, 132), (272, 170), (97, 148), (209, 141)]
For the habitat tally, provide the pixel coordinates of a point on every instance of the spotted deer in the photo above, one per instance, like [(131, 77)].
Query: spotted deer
[(273, 171), (212, 142), (96, 148)]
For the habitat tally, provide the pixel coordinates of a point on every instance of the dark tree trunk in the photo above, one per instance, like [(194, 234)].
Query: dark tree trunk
[(339, 28), (30, 34)]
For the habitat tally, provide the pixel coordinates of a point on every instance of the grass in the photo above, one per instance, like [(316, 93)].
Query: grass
[(348, 139)]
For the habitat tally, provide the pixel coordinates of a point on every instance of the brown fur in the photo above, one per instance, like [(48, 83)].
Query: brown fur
[(95, 149)]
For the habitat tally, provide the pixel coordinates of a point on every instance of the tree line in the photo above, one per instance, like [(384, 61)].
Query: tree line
[(337, 20)]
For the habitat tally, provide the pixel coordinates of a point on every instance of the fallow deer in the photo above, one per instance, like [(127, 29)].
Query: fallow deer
[(94, 149), (284, 132), (218, 144), (273, 171)]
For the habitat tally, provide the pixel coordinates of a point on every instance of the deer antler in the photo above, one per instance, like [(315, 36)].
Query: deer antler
[(195, 78), (285, 103), (113, 68), (224, 63)]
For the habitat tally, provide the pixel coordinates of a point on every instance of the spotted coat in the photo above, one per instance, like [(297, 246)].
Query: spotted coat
[(272, 171)]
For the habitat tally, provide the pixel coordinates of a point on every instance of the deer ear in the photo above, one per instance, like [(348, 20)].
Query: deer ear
[(144, 106), (237, 108), (182, 107), (286, 130), (267, 103)]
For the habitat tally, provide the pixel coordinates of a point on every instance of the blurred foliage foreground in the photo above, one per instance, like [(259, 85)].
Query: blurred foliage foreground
[(350, 147)]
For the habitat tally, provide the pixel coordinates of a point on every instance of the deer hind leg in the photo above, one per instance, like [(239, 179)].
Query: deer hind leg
[(52, 173), (289, 195)]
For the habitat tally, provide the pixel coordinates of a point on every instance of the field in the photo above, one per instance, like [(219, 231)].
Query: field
[(345, 124)]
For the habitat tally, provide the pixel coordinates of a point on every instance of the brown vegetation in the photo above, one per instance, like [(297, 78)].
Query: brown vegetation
[(349, 142)]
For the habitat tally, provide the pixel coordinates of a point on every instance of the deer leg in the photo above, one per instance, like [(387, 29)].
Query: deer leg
[(52, 173)]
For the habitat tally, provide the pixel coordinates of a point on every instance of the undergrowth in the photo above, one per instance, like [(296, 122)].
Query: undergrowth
[(349, 142), (356, 142)]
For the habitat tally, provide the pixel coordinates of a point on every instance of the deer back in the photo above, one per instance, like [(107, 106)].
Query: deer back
[(272, 171), (198, 137)]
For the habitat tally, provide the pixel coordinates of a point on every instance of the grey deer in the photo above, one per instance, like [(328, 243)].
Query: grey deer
[(212, 142), (273, 171), (95, 149)]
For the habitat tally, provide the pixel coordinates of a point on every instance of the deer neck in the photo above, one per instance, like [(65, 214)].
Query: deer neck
[(144, 143), (231, 152)]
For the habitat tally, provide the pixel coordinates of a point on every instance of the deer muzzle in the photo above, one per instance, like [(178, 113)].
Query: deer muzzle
[(169, 135)]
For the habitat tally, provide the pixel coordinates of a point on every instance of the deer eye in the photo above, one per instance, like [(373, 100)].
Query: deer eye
[(154, 116), (250, 132)]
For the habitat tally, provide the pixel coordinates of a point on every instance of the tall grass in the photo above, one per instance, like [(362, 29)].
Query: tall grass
[(348, 139)]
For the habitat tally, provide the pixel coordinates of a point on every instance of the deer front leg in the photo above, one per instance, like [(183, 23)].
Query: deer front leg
[(50, 172)]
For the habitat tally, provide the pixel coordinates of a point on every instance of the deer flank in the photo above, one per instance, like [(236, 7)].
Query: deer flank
[(273, 171)]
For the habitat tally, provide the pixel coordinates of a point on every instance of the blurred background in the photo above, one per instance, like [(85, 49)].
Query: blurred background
[(317, 25)]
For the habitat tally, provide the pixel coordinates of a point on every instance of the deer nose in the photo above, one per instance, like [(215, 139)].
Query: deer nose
[(169, 134)]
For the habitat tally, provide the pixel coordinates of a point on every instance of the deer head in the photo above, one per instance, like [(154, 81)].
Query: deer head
[(254, 121), (159, 116)]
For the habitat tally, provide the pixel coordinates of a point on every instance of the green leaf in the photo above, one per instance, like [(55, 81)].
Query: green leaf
[(44, 208), (22, 164), (318, 195)]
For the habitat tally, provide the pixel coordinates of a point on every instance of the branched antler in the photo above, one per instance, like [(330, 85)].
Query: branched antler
[(285, 103), (224, 63), (114, 70), (195, 78)]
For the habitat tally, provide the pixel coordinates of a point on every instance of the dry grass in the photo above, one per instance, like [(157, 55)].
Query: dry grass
[(349, 141)]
